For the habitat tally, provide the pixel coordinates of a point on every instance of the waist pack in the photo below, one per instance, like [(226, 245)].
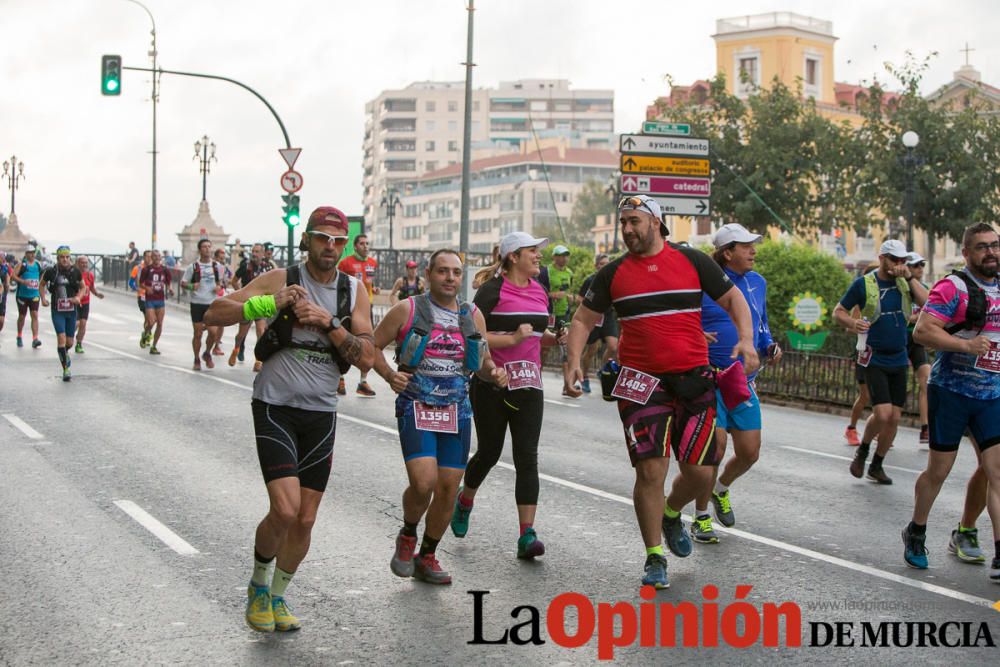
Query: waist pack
[(278, 334), (410, 352), (689, 385), (733, 386)]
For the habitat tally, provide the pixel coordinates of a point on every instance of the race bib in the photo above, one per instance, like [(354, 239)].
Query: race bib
[(437, 418), (634, 386), (523, 375), (32, 284), (990, 361), (552, 321), (64, 305), (600, 323), (156, 288), (865, 356)]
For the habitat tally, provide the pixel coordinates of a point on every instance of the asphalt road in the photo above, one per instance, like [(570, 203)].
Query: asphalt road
[(137, 444)]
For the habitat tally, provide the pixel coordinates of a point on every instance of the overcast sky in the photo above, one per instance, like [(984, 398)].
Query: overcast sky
[(86, 158)]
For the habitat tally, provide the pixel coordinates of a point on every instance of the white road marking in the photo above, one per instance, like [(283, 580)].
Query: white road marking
[(150, 523), (777, 544), (21, 426), (555, 402), (845, 458), (179, 369), (97, 317)]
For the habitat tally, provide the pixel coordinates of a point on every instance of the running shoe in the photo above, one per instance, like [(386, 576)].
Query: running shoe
[(143, 340), (233, 356), (243, 347), (284, 620), (197, 364), (585, 385), (851, 435), (20, 342), (217, 351), (257, 366), (426, 568), (78, 349), (460, 518), (677, 537), (656, 572), (858, 464), (153, 350), (67, 376), (995, 570), (925, 435), (259, 614), (914, 551), (209, 362), (702, 531), (69, 362), (876, 474), (402, 560), (965, 545), (342, 388), (529, 546), (36, 343), (364, 390), (723, 509)]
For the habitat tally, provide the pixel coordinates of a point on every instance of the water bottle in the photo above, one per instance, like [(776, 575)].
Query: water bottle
[(862, 339)]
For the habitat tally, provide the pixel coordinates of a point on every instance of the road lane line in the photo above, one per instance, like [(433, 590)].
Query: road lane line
[(105, 318), (555, 402), (21, 426), (845, 458), (150, 523), (180, 369), (777, 544)]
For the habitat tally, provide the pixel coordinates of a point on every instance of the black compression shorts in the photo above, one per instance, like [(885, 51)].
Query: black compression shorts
[(886, 384), (198, 311), (292, 442), (83, 311)]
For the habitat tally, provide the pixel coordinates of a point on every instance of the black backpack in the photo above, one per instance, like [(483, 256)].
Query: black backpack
[(977, 308), (279, 333)]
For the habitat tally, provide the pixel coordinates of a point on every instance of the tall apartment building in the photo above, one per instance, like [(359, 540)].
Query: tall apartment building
[(419, 129)]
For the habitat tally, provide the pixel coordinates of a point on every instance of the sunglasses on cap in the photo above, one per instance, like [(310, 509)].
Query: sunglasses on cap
[(327, 238), (635, 202)]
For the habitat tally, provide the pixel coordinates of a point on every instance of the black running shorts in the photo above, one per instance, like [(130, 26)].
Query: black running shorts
[(887, 384), (198, 311), (292, 442)]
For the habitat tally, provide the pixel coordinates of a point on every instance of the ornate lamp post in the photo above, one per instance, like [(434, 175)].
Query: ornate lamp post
[(14, 172), (910, 162), (201, 153), (390, 202)]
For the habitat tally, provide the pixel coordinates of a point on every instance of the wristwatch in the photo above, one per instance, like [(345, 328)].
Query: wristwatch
[(334, 324)]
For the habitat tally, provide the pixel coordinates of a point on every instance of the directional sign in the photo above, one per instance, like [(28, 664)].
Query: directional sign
[(291, 181), (666, 185), (290, 155), (643, 143), (653, 127), (677, 166), (684, 205)]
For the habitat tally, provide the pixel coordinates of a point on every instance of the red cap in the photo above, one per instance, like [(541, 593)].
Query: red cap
[(327, 216), (411, 264)]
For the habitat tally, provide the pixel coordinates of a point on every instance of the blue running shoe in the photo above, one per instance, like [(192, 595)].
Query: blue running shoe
[(585, 385), (460, 518), (677, 537), (914, 551), (529, 546), (656, 572)]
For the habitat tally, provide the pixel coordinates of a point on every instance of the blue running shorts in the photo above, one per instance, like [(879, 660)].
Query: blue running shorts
[(744, 417), (950, 414), (450, 449)]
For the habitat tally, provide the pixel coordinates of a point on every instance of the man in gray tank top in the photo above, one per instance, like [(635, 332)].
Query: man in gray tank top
[(295, 398)]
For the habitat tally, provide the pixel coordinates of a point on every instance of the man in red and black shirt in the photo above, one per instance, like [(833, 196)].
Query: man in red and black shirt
[(666, 388)]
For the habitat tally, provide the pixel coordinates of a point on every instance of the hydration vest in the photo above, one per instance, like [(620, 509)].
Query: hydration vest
[(410, 352), (873, 308), (975, 310), (196, 272)]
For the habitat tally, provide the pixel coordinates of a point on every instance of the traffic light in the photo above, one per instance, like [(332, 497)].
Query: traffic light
[(111, 75), (290, 209)]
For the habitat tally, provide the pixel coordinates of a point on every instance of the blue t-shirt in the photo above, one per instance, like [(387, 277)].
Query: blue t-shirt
[(716, 320), (31, 273), (887, 335)]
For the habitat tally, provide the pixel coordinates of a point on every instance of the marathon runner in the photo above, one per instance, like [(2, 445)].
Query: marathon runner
[(83, 310), (406, 286), (227, 278), (735, 250), (885, 297), (319, 323), (247, 272), (439, 342), (606, 330), (66, 283), (560, 297), (962, 321), (917, 352), (362, 267), (204, 277), (27, 276), (666, 392), (155, 282), (5, 280), (864, 398), (516, 309)]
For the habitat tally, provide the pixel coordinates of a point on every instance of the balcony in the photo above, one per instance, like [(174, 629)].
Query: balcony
[(399, 105)]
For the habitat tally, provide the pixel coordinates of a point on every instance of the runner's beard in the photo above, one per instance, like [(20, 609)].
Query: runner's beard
[(988, 270)]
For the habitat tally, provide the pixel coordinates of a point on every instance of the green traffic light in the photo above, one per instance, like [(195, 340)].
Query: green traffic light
[(112, 85), (293, 219)]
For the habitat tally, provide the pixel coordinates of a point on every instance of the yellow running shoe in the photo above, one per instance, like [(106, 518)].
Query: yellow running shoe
[(284, 621), (259, 614)]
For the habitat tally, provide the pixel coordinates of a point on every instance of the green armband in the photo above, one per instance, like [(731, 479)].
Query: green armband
[(258, 307)]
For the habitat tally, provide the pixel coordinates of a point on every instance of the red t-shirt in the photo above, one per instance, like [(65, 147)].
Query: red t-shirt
[(155, 280), (88, 280), (658, 303), (362, 269)]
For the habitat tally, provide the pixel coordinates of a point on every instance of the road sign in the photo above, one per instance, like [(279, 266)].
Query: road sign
[(653, 127), (290, 155), (684, 205), (677, 186), (643, 143), (676, 166), (291, 181)]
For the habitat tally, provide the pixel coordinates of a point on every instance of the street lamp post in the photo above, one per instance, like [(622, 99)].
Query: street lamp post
[(156, 98), (612, 191), (201, 153), (910, 162), (390, 202), (14, 171)]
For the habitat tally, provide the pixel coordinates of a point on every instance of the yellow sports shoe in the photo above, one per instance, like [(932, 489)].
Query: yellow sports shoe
[(284, 621), (259, 614)]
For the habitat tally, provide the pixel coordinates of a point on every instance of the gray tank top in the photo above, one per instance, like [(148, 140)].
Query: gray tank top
[(299, 378)]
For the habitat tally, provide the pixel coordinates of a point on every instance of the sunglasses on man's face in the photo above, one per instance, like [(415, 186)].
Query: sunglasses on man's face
[(918, 265), (328, 238)]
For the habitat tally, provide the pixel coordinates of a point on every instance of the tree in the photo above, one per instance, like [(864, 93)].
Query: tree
[(590, 202)]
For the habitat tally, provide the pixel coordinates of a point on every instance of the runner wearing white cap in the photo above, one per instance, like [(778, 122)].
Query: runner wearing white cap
[(917, 352)]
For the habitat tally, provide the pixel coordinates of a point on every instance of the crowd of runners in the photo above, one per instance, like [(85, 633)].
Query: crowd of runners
[(681, 334)]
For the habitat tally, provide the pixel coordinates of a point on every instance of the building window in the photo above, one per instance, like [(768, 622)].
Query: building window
[(748, 70), (429, 146), (431, 107), (453, 126), (452, 106), (453, 146), (746, 65), (475, 105), (411, 210), (432, 165), (430, 125), (812, 72), (539, 105)]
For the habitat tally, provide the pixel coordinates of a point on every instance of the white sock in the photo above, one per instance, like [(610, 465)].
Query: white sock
[(261, 572), (720, 488), (280, 582)]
